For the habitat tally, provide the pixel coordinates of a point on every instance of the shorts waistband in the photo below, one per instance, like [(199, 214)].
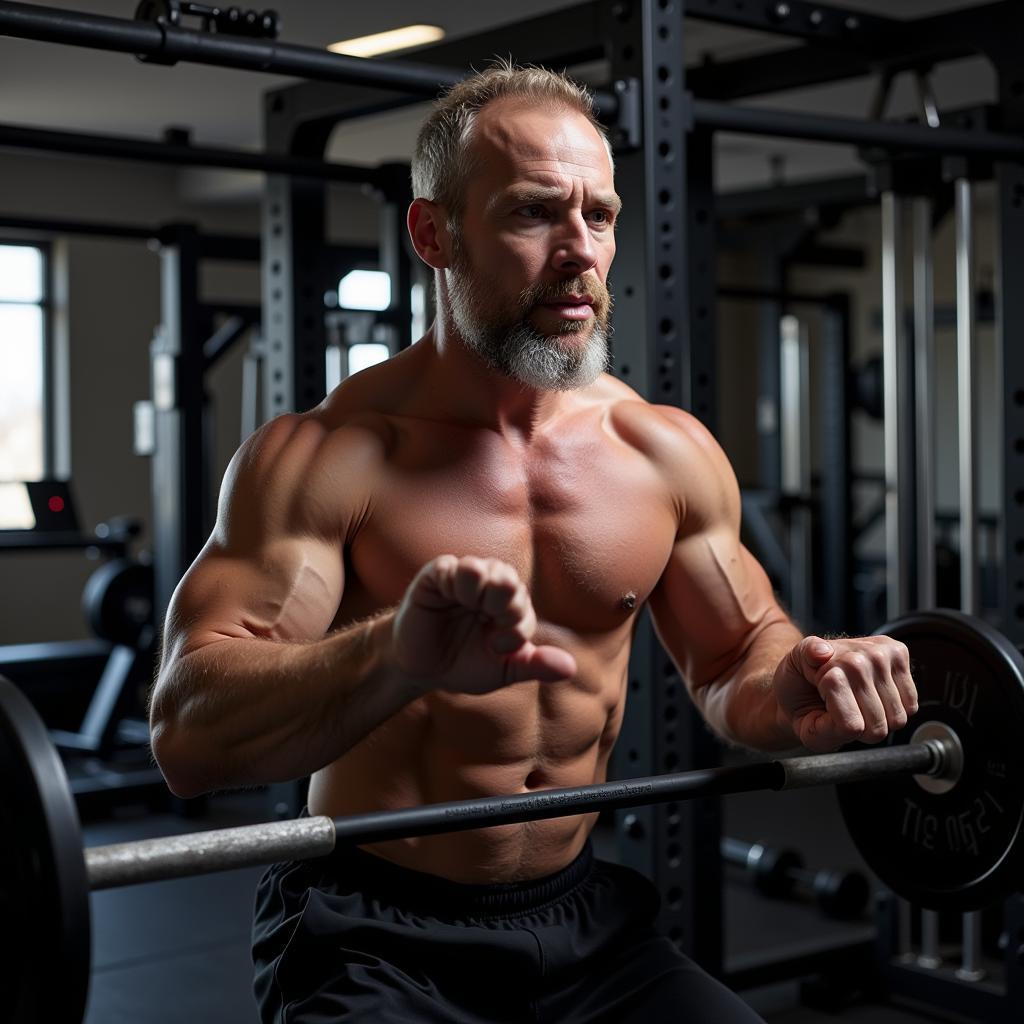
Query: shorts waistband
[(418, 889)]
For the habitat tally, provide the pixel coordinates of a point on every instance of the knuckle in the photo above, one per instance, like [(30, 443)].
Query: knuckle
[(501, 588), (876, 730), (472, 564), (901, 656), (880, 659), (859, 662), (832, 682)]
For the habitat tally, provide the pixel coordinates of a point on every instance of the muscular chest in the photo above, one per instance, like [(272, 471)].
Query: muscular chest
[(587, 525)]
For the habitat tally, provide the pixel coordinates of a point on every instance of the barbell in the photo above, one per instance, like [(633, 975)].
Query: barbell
[(936, 812)]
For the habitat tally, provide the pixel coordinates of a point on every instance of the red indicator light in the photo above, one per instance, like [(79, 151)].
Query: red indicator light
[(56, 503)]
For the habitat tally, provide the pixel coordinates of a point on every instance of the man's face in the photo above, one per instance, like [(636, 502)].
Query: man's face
[(526, 284)]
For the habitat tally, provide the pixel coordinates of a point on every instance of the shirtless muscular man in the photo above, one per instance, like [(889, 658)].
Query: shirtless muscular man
[(425, 589)]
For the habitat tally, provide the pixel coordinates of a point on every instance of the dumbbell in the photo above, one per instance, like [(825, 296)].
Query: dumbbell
[(781, 874)]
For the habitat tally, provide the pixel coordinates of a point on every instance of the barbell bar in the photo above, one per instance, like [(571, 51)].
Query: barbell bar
[(936, 811), (152, 860)]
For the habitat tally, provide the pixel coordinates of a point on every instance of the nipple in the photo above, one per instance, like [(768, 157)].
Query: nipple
[(629, 601)]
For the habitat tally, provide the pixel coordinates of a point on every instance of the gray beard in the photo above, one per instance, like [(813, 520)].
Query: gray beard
[(521, 352)]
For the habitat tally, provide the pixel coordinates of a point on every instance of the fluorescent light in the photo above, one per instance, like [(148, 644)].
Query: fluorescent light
[(388, 42)]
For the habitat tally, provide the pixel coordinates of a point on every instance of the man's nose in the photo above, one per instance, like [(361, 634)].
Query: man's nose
[(574, 247)]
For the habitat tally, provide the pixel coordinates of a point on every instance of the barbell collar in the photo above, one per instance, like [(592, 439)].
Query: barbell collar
[(199, 853)]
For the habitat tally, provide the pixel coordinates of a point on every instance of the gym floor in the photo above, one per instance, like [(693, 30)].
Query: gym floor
[(170, 952)]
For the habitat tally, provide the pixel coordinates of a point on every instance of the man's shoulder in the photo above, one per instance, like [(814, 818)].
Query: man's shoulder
[(689, 460), (316, 438), (306, 472), (658, 431)]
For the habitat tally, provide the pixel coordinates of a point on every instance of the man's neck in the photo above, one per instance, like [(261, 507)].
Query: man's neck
[(459, 381)]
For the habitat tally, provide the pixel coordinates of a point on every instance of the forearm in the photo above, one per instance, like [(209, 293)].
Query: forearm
[(741, 706), (241, 712)]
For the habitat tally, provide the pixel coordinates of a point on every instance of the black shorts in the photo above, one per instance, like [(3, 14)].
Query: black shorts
[(352, 937)]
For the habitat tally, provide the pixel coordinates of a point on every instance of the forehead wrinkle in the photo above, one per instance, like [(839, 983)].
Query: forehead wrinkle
[(567, 160), (556, 163), (558, 173), (535, 191), (543, 182)]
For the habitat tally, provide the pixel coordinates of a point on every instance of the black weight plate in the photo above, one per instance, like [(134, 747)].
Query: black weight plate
[(961, 850), (45, 892), (117, 600)]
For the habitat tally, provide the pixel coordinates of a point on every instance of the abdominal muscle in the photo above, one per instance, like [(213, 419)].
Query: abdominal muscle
[(453, 747)]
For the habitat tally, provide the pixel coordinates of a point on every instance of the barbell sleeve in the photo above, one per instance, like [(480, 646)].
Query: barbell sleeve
[(152, 860), (201, 853)]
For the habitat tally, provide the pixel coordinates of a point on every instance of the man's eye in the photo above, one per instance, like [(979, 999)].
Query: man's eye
[(533, 210), (601, 216)]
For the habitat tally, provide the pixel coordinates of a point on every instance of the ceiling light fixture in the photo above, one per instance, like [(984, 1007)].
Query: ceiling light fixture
[(388, 42)]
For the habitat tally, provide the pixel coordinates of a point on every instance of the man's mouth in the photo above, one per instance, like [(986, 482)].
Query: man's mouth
[(573, 307)]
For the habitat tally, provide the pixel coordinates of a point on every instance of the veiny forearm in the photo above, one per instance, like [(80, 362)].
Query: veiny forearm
[(740, 705), (240, 712)]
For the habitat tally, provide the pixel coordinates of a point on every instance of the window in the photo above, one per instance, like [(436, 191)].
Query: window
[(365, 289), (24, 362)]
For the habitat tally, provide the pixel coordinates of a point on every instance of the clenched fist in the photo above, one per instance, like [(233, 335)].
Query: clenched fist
[(832, 692), (466, 625)]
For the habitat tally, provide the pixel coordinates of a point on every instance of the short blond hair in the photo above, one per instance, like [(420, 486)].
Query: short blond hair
[(441, 164)]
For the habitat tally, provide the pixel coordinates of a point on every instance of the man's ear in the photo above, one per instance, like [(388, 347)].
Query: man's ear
[(427, 222)]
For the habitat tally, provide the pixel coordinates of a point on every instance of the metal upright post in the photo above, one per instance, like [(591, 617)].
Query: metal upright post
[(836, 501), (924, 434), (924, 380), (898, 480), (1009, 212), (395, 196), (967, 433), (1009, 331), (768, 404), (794, 424), (294, 266), (665, 291), (180, 485), (967, 405)]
